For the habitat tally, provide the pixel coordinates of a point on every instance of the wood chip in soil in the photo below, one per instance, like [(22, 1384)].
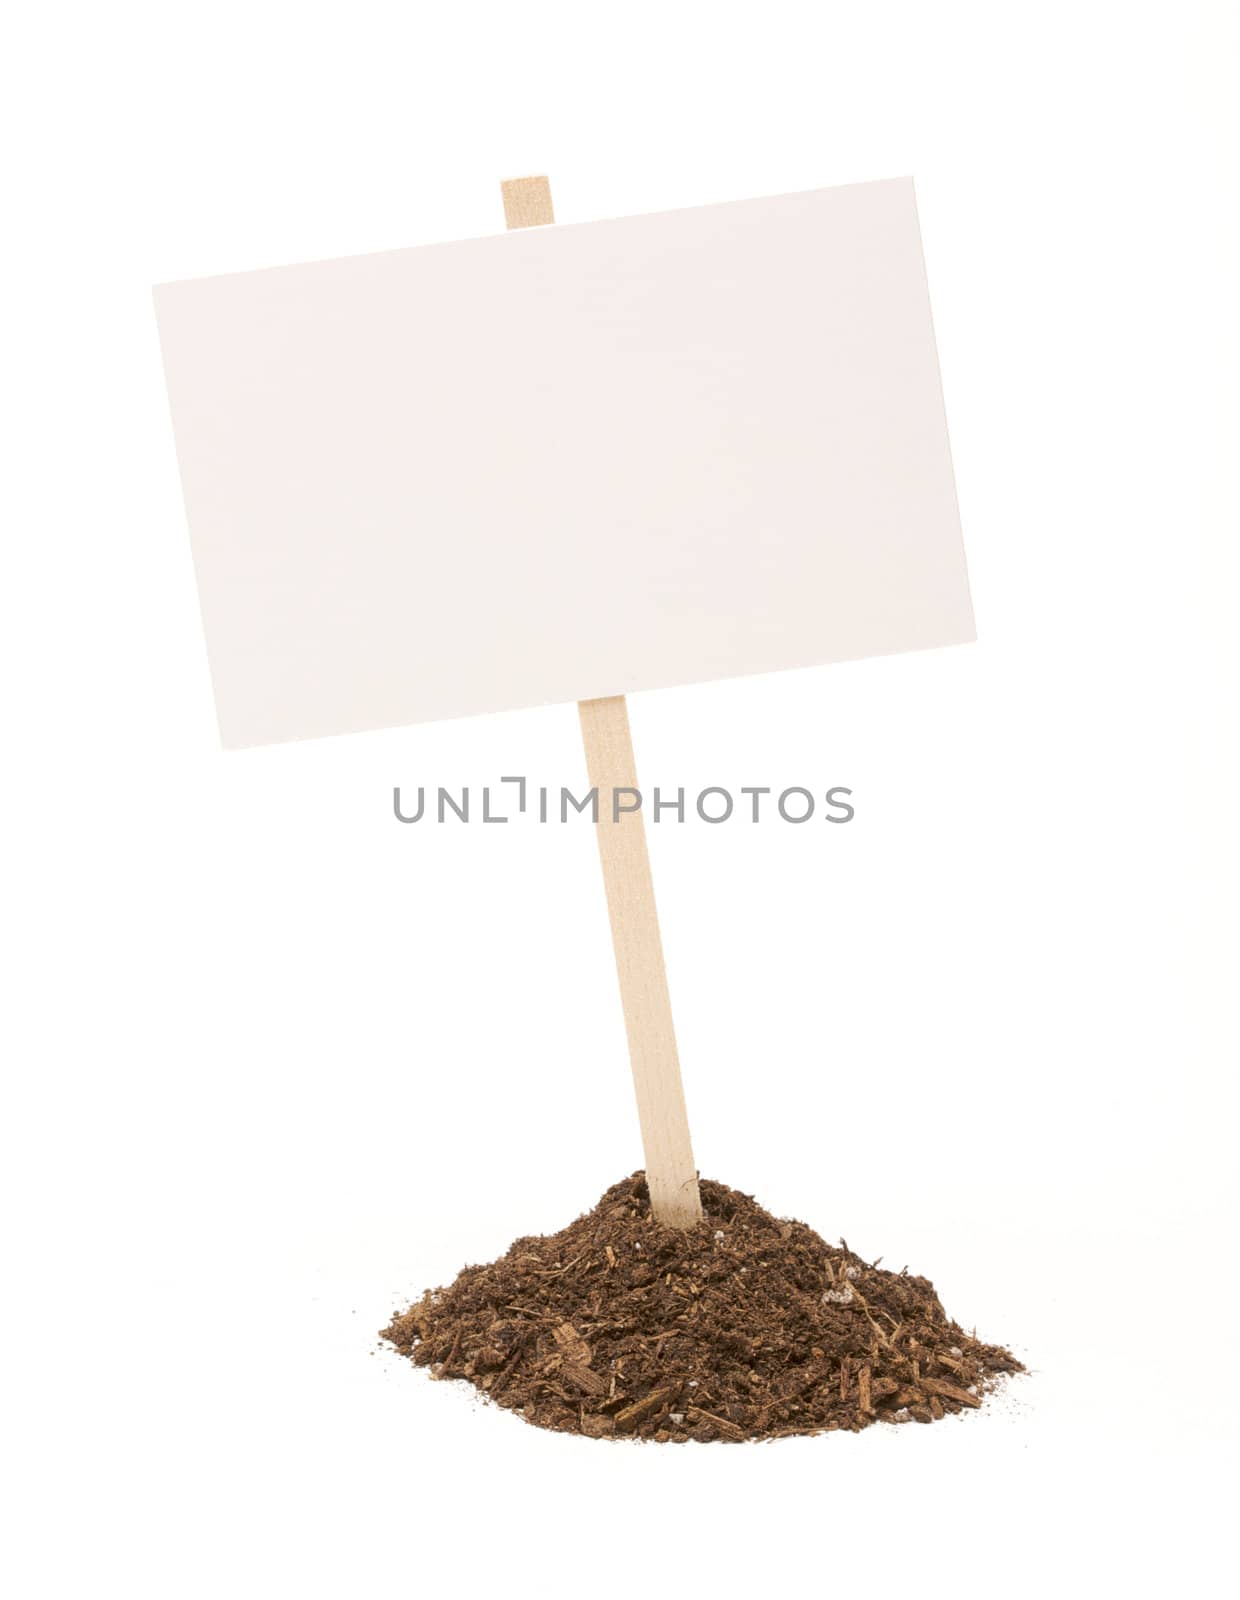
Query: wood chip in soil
[(743, 1327)]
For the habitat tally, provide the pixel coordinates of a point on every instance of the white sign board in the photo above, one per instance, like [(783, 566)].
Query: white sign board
[(565, 462)]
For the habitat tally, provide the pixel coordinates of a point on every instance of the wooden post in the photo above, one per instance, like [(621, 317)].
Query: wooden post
[(670, 1171)]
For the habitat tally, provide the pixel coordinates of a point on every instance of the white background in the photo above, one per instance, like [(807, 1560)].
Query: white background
[(276, 1063)]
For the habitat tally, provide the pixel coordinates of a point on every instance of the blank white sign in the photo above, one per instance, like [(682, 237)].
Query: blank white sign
[(565, 462)]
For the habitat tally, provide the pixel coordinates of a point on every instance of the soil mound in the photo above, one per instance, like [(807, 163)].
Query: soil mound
[(744, 1327)]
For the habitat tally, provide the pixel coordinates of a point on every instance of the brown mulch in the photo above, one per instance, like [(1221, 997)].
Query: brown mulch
[(744, 1327)]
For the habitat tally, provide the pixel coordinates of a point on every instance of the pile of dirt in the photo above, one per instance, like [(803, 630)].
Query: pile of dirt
[(744, 1327)]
